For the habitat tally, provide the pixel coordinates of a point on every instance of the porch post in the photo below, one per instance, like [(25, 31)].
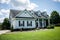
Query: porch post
[(48, 21), (45, 23), (42, 22), (38, 23)]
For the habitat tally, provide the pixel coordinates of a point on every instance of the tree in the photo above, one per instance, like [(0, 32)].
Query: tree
[(54, 17), (6, 24), (59, 18), (0, 26)]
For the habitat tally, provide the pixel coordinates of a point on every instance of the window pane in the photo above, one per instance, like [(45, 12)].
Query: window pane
[(29, 23), (19, 23), (23, 23)]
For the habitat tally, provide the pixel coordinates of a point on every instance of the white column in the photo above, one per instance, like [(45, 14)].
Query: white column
[(42, 22), (48, 21), (45, 22), (38, 23)]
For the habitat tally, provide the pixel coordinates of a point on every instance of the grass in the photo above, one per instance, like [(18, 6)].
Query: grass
[(49, 34)]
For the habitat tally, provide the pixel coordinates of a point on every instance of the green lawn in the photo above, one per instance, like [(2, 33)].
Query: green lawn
[(49, 34)]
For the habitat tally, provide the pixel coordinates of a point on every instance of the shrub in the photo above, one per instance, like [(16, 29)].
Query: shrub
[(12, 29), (57, 24), (50, 26), (0, 27)]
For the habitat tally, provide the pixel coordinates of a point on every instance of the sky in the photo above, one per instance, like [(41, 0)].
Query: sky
[(42, 5)]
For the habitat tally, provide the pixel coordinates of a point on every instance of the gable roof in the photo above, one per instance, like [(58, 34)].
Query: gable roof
[(29, 14), (35, 14)]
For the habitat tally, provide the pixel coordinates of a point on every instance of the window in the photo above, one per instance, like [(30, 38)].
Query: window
[(29, 23), (21, 23)]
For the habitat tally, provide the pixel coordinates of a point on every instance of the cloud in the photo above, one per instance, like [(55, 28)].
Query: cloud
[(32, 6), (1, 20), (4, 14), (23, 4), (20, 4), (16, 4), (56, 0), (5, 1), (22, 1), (45, 10)]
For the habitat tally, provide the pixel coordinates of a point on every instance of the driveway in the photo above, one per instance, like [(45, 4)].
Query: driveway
[(4, 31)]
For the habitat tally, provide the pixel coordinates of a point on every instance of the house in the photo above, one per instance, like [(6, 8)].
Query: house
[(28, 19)]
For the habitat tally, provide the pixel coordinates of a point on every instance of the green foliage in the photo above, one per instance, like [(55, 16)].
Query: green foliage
[(50, 26), (49, 34), (11, 29), (6, 24), (55, 17), (59, 18), (0, 26), (57, 24)]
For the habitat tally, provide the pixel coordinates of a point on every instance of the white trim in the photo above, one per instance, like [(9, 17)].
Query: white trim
[(23, 12)]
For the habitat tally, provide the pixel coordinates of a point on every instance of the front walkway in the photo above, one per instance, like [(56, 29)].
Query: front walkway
[(4, 31)]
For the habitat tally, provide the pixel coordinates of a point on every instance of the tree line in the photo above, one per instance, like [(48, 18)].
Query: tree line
[(55, 18)]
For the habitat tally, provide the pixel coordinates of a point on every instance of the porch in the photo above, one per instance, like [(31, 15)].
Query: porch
[(42, 23)]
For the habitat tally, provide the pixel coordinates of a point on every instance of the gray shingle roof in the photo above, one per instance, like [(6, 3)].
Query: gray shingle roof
[(13, 13), (35, 14)]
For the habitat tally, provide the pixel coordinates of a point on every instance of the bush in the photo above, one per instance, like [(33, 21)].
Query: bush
[(50, 26), (12, 29), (0, 27), (57, 24)]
